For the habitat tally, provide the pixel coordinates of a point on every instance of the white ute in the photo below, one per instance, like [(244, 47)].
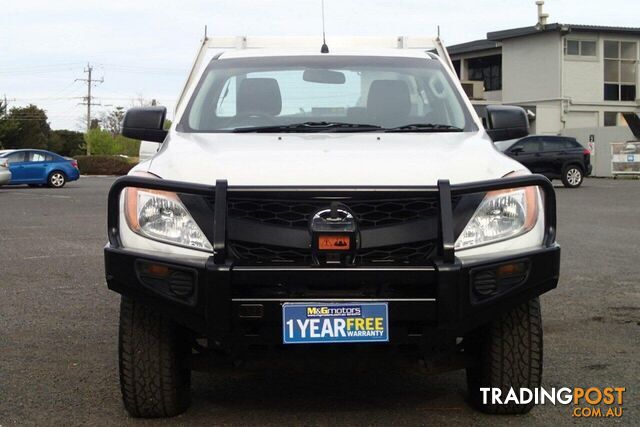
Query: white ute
[(339, 198)]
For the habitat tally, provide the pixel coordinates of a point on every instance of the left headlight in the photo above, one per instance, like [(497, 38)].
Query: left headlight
[(160, 215), (501, 215)]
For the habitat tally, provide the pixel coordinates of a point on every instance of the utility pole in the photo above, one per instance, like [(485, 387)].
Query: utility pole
[(5, 105), (88, 99)]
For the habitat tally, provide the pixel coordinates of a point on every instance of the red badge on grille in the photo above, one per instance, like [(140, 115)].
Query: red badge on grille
[(334, 243)]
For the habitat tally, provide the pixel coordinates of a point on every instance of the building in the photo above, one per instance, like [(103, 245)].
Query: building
[(568, 76)]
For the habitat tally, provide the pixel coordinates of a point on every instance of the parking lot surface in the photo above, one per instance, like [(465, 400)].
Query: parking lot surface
[(58, 336)]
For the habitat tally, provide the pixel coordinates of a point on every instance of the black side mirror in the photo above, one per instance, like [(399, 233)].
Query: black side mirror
[(145, 123), (516, 150), (506, 122)]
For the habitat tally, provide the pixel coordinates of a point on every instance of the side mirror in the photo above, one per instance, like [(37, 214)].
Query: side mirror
[(506, 122), (145, 123), (516, 150)]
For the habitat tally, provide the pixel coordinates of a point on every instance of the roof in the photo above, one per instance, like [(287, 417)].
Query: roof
[(473, 46), (557, 27)]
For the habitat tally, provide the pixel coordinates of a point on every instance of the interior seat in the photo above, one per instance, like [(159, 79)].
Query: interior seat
[(389, 103), (258, 96)]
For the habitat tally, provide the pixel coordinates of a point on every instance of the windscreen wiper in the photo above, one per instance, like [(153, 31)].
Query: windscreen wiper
[(425, 127), (311, 127)]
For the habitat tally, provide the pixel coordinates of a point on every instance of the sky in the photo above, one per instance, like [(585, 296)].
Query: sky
[(143, 49)]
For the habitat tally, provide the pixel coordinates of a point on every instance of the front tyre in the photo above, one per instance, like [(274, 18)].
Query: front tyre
[(56, 179), (508, 353), (155, 377), (572, 176)]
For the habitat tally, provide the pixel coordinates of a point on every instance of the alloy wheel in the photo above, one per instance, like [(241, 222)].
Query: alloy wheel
[(57, 180), (574, 176)]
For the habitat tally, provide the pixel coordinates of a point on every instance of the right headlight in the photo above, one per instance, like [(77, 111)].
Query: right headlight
[(160, 215), (502, 215)]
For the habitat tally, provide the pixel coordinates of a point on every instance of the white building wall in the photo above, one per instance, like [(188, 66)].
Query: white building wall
[(581, 119), (530, 68), (547, 120), (584, 80)]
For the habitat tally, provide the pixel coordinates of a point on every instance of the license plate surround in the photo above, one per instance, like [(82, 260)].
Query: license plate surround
[(374, 318)]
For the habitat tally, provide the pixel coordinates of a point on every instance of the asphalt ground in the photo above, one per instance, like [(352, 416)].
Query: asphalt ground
[(58, 328)]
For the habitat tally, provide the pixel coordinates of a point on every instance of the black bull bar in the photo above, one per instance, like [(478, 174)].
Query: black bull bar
[(214, 311)]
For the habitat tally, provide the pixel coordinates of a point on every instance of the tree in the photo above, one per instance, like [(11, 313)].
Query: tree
[(66, 142), (99, 141), (102, 142), (24, 127), (112, 121)]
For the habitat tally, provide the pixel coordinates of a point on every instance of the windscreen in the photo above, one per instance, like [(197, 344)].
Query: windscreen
[(346, 93)]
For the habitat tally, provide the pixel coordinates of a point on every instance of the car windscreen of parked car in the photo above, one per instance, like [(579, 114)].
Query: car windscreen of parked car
[(320, 92)]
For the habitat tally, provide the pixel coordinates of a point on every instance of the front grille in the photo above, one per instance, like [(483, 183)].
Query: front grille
[(257, 254), (408, 253), (405, 254), (296, 212)]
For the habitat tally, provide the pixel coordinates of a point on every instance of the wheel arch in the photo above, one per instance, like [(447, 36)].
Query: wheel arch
[(569, 163), (56, 169)]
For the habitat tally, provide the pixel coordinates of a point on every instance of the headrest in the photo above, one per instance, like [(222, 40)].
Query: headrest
[(259, 96), (389, 100)]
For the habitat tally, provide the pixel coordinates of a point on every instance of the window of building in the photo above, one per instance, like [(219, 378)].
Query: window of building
[(610, 118), (580, 47), (487, 69), (456, 66), (620, 70)]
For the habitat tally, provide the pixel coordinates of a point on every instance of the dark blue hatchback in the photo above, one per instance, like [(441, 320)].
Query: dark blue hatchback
[(39, 167)]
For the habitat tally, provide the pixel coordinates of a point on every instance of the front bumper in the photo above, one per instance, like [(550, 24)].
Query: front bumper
[(235, 304)]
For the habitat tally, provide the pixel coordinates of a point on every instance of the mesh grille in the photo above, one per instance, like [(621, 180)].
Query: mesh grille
[(296, 213)]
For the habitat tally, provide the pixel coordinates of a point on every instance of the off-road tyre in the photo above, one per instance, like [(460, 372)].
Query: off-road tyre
[(507, 354), (155, 377)]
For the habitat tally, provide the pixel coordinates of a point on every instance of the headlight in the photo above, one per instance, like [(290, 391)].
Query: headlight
[(501, 215), (160, 215)]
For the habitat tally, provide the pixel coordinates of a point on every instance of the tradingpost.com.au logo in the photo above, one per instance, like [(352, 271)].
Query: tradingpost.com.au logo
[(590, 402)]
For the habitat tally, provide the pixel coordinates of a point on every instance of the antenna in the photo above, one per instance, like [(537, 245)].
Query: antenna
[(324, 48)]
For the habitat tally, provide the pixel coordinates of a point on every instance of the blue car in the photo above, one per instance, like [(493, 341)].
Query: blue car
[(39, 167)]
